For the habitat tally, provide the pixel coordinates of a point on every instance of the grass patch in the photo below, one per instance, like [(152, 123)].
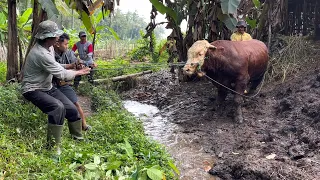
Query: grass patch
[(294, 55), (117, 148)]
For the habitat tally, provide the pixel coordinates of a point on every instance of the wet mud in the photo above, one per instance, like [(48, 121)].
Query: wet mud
[(279, 139)]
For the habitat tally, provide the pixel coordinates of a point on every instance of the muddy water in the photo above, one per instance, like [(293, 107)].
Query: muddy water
[(191, 158)]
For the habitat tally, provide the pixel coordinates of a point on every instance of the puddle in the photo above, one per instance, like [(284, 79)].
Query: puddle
[(190, 158)]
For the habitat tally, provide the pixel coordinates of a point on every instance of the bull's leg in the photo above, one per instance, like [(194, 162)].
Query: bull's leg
[(241, 85), (238, 103), (255, 83), (222, 94), (222, 91)]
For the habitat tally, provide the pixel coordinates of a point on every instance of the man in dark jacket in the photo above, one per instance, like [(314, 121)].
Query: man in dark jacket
[(65, 56)]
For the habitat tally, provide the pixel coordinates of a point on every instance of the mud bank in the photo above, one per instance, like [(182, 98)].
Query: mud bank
[(279, 139)]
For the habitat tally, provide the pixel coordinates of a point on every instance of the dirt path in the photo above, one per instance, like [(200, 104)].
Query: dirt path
[(85, 103), (284, 122)]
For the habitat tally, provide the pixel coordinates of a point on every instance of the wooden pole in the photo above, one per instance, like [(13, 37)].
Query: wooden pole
[(121, 78), (124, 77)]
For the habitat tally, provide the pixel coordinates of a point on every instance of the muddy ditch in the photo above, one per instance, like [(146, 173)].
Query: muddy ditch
[(279, 139)]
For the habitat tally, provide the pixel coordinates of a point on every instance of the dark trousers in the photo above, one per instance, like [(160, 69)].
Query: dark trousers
[(55, 104)]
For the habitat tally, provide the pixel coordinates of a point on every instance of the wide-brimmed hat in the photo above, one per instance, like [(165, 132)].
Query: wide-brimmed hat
[(241, 24), (82, 33), (48, 29)]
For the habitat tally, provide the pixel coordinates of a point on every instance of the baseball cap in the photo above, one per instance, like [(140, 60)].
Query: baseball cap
[(82, 33)]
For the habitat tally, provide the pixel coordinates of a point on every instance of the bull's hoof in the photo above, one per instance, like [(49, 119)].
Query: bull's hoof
[(239, 119)]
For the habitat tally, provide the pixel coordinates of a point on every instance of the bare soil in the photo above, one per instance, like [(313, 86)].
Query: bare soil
[(85, 103), (283, 121)]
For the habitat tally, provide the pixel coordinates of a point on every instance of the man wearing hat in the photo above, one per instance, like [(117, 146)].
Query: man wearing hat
[(240, 34), (85, 51), (36, 86)]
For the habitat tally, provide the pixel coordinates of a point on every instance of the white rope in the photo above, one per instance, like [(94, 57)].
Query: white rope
[(234, 90)]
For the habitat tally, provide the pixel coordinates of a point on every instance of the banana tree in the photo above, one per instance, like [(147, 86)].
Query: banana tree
[(96, 20), (50, 9), (85, 10), (207, 19)]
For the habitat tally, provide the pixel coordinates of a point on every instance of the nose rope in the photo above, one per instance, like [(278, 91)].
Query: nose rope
[(234, 90)]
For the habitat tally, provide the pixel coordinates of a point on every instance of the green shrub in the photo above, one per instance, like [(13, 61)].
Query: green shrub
[(142, 49), (3, 71)]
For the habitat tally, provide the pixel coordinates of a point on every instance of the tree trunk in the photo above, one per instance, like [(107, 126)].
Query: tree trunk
[(37, 17), (94, 41), (12, 59)]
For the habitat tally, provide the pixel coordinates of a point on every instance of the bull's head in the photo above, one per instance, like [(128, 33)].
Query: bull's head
[(196, 57)]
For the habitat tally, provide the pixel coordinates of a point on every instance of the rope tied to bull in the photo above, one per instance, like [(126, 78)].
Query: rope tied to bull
[(199, 69)]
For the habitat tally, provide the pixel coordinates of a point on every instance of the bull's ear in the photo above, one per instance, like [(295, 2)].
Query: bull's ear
[(220, 48)]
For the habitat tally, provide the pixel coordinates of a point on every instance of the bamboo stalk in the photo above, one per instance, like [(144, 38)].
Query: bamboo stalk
[(121, 78), (124, 77)]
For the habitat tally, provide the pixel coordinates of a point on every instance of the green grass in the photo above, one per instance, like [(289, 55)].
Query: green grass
[(117, 148)]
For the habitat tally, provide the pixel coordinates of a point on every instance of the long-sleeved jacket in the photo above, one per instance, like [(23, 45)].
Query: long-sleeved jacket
[(39, 69)]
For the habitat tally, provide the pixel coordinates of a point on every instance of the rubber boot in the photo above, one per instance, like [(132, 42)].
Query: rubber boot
[(75, 129), (54, 137)]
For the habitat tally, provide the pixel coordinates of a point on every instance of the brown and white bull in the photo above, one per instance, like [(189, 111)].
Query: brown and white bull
[(235, 64)]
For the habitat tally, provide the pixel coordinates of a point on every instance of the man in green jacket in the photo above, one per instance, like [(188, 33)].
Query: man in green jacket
[(40, 67)]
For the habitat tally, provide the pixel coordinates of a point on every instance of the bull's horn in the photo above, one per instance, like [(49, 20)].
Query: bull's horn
[(211, 46)]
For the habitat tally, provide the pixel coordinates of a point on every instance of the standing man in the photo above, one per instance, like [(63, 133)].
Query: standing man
[(172, 51), (85, 52), (65, 56), (36, 86), (240, 34)]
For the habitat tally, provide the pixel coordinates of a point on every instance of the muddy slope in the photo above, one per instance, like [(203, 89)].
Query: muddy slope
[(284, 120)]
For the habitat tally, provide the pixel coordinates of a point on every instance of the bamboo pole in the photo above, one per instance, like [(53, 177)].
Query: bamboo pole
[(121, 78), (124, 77)]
